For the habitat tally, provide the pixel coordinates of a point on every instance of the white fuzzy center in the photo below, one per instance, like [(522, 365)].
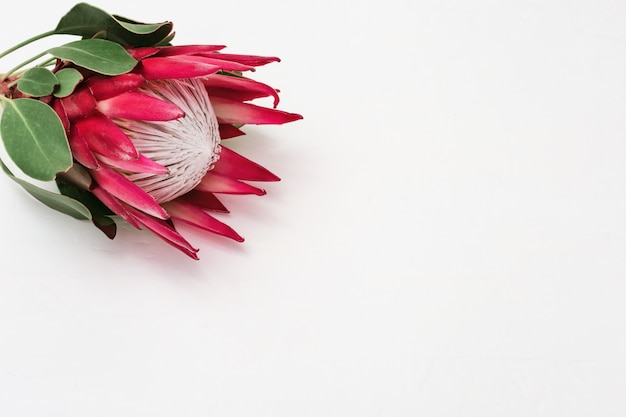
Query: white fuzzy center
[(188, 146)]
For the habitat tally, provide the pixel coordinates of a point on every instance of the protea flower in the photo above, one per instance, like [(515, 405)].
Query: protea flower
[(147, 143), (152, 139)]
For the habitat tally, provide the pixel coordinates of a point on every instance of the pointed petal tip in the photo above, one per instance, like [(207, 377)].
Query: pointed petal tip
[(236, 112), (128, 192), (252, 60), (295, 117), (165, 231), (228, 131), (195, 216), (204, 200), (238, 88), (234, 165), (214, 182), (173, 50), (234, 236)]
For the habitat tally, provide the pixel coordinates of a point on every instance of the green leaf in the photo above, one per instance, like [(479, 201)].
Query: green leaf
[(106, 225), (86, 21), (95, 206), (55, 201), (167, 41), (68, 80), (35, 138), (99, 55), (99, 212), (37, 82)]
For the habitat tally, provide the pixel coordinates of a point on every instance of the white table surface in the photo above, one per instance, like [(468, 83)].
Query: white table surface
[(449, 238)]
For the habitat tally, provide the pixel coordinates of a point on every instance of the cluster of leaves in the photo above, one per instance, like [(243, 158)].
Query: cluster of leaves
[(33, 134)]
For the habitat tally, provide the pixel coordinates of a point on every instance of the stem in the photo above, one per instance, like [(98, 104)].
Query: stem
[(46, 63), (26, 42), (28, 61)]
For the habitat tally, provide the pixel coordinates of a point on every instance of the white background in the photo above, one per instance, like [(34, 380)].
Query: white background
[(449, 238)]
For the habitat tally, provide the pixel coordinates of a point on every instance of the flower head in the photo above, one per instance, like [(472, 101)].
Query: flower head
[(147, 142)]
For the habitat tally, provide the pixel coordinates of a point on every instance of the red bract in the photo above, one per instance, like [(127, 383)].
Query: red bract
[(152, 139)]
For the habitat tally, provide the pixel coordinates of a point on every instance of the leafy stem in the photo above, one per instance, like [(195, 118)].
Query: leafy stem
[(20, 45), (23, 64), (26, 42)]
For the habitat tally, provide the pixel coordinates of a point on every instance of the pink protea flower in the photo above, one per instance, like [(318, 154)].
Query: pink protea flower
[(127, 124), (151, 139)]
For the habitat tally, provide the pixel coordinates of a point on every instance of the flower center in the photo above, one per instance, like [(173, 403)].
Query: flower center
[(188, 146)]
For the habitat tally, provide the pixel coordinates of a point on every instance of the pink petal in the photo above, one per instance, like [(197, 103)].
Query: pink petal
[(139, 106), (197, 217), (231, 111), (182, 66), (60, 111), (142, 165), (79, 104), (189, 49), (222, 64), (235, 95), (122, 188), (228, 131), (114, 205), (233, 165), (103, 87), (80, 149), (141, 53), (165, 231), (206, 201), (253, 60), (238, 88), (106, 138), (221, 184)]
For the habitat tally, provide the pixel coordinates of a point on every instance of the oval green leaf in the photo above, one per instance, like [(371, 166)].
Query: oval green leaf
[(37, 82), (34, 138), (55, 201), (99, 55), (86, 20), (68, 80)]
